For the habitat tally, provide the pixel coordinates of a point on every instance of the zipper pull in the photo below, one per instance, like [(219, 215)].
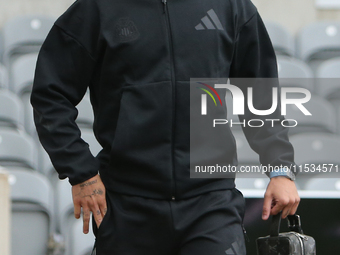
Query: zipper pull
[(164, 2), (303, 237), (245, 233)]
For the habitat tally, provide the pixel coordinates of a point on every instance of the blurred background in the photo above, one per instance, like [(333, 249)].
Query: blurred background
[(36, 215)]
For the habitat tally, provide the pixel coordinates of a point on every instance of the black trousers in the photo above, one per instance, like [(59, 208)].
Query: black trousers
[(208, 224)]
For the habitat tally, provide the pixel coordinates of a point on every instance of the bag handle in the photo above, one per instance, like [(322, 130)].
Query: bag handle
[(294, 224)]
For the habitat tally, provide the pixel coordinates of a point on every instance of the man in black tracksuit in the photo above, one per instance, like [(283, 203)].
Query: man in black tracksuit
[(137, 58)]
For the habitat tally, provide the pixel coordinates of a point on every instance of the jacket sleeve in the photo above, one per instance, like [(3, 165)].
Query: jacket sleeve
[(254, 57), (63, 72)]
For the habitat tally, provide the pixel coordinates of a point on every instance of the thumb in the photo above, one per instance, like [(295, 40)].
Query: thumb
[(266, 207)]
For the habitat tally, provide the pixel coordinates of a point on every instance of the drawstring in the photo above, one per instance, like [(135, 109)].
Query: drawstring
[(164, 2)]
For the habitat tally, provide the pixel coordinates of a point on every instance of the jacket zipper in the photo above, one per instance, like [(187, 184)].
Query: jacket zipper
[(166, 11), (245, 233)]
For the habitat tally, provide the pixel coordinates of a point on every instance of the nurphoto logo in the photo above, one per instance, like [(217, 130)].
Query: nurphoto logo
[(239, 103)]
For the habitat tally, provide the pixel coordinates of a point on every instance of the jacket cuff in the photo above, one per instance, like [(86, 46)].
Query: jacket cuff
[(80, 179), (285, 171)]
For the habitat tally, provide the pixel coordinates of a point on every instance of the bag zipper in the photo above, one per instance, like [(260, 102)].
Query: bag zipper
[(300, 237)]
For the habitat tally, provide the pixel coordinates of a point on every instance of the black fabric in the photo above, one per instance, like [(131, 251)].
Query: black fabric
[(254, 57), (205, 224), (139, 88)]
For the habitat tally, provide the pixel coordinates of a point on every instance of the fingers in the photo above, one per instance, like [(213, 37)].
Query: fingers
[(101, 199), (276, 209), (286, 210), (282, 195), (86, 219), (103, 209), (288, 206), (295, 206), (77, 210), (98, 208), (266, 206), (89, 196), (97, 215)]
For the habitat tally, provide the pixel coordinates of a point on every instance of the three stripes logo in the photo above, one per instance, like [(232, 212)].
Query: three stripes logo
[(210, 21), (204, 97), (234, 250)]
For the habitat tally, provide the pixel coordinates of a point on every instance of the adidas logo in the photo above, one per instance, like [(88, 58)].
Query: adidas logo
[(212, 23), (234, 250)]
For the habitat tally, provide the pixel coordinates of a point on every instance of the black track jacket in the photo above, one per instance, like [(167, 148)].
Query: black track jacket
[(137, 58)]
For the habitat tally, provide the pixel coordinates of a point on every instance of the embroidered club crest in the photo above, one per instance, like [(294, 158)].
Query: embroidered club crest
[(126, 30)]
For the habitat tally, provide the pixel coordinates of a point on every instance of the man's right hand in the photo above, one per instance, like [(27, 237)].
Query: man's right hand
[(89, 195)]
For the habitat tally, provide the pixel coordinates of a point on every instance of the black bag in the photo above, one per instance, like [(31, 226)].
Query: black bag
[(288, 243)]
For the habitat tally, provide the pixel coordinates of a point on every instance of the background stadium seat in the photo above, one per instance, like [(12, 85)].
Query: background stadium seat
[(323, 183), (23, 73), (318, 42), (282, 40), (295, 73), (24, 34), (11, 111), (329, 69), (3, 77), (32, 212), (293, 68), (44, 163), (17, 149), (22, 81), (328, 84), (1, 45), (322, 118), (252, 183), (28, 112), (318, 149)]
